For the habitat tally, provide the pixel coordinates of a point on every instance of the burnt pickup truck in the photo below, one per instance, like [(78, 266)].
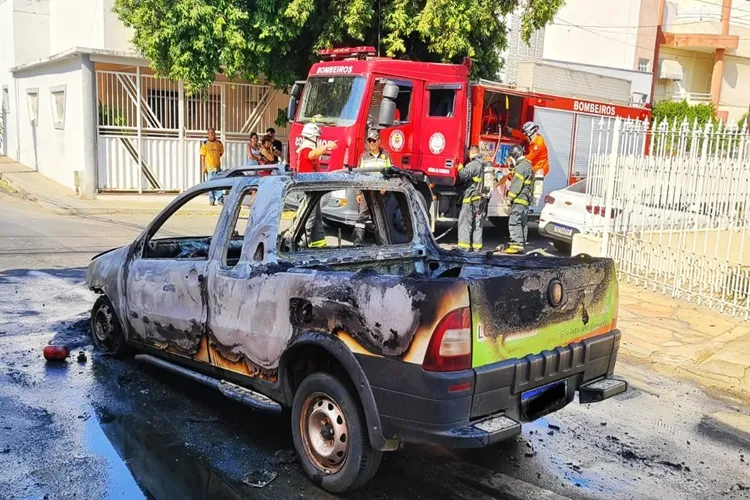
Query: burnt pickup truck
[(393, 340)]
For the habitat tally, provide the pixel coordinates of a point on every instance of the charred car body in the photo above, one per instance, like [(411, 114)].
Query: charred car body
[(393, 341)]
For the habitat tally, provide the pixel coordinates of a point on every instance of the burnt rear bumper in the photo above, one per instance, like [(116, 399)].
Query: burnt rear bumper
[(479, 407)]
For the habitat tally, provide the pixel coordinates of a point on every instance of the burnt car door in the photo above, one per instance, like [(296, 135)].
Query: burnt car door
[(165, 282), (244, 288)]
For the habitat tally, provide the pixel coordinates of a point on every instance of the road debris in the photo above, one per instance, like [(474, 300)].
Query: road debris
[(674, 466), (283, 457), (82, 357), (554, 427), (56, 353), (259, 478)]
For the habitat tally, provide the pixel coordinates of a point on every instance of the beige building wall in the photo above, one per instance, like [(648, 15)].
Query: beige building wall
[(735, 87), (648, 20)]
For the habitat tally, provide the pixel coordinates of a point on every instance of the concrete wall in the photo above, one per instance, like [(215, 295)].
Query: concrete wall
[(735, 87), (519, 51), (76, 23), (606, 35), (30, 30), (7, 56), (648, 20), (116, 35), (53, 152), (568, 82), (640, 82)]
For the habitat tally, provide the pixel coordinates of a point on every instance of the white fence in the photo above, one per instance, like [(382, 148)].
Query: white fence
[(150, 130), (671, 205)]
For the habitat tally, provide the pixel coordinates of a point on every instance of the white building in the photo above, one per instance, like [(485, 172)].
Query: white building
[(81, 107), (592, 37)]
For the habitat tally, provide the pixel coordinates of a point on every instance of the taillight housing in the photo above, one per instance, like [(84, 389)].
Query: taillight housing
[(449, 349), (549, 200), (597, 210)]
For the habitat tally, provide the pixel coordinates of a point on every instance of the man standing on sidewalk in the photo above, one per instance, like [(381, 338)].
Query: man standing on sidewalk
[(211, 152)]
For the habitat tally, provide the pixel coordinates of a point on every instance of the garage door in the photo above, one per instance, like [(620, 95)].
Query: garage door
[(557, 129)]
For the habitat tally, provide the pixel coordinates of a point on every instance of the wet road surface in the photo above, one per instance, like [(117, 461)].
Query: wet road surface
[(107, 428)]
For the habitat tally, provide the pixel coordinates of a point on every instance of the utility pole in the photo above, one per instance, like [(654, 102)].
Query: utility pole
[(378, 28)]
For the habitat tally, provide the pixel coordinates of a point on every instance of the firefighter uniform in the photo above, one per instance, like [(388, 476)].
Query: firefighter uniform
[(520, 198), (368, 160), (314, 230), (472, 207), (538, 155)]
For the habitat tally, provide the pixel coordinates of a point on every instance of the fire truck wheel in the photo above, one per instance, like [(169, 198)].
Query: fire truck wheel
[(502, 224)]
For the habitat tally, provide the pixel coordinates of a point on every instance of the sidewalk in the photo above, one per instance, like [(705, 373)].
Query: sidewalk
[(685, 340), (58, 199)]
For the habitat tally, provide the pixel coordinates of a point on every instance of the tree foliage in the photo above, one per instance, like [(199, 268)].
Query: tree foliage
[(681, 110), (192, 40)]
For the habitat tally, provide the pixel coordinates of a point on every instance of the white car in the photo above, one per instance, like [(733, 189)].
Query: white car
[(563, 215), (639, 207)]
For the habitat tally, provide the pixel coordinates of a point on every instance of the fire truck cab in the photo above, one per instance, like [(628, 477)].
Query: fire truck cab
[(429, 114)]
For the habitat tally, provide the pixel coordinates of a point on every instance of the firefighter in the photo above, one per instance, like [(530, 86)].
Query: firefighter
[(373, 157), (308, 160), (520, 198), (472, 207), (538, 155)]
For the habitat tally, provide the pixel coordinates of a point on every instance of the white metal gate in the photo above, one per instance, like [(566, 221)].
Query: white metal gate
[(674, 214), (150, 130)]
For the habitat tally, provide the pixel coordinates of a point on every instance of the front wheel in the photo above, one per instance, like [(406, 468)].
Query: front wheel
[(106, 331), (330, 434)]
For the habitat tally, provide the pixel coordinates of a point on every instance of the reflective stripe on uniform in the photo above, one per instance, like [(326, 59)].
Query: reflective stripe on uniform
[(476, 179), (511, 194), (460, 167), (516, 174), (471, 199), (461, 244), (317, 244), (527, 183), (477, 246), (521, 202)]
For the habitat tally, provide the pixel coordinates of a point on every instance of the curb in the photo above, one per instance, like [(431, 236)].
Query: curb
[(56, 209)]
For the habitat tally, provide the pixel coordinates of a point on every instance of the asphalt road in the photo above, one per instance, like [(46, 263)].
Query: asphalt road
[(105, 428)]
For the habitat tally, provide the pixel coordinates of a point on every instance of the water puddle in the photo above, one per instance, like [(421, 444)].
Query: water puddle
[(145, 463)]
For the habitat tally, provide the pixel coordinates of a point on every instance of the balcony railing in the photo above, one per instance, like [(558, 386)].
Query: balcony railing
[(691, 97)]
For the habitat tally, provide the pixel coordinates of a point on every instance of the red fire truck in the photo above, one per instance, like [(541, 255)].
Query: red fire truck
[(430, 113)]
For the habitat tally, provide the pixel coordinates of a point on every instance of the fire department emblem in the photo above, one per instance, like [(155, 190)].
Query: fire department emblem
[(437, 143), (396, 140)]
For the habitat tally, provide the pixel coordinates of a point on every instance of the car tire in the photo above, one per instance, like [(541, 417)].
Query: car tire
[(502, 224), (330, 434), (106, 330), (562, 246)]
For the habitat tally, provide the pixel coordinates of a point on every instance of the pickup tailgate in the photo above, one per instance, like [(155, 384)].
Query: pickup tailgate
[(513, 315)]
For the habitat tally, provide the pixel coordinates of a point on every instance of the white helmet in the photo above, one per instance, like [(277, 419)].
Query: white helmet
[(530, 128), (311, 131)]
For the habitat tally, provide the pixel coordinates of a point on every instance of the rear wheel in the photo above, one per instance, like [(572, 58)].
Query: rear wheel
[(106, 331), (330, 434)]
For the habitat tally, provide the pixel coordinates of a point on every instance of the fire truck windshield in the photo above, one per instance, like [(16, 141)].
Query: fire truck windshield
[(332, 100)]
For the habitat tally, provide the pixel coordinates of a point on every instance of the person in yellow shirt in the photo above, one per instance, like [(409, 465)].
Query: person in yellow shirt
[(211, 152)]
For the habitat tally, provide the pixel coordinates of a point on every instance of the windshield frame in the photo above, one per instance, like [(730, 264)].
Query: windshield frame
[(352, 108)]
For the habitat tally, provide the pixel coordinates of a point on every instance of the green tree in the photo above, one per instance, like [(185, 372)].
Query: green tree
[(192, 40), (681, 110)]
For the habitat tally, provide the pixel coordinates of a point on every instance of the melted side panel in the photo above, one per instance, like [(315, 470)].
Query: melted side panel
[(255, 319)]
